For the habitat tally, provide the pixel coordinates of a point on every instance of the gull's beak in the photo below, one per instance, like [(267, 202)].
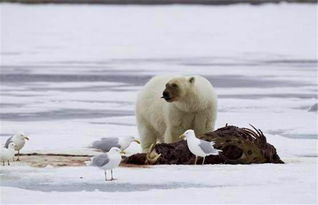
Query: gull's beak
[(122, 152), (182, 136), (137, 141), (26, 137)]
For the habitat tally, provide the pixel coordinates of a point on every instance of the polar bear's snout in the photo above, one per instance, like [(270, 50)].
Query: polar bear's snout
[(166, 95), (171, 92)]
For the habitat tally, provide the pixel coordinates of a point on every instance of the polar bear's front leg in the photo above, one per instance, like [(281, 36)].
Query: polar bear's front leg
[(174, 129), (172, 134), (204, 122), (147, 137)]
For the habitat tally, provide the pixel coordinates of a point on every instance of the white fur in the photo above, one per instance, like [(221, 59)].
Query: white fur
[(163, 121)]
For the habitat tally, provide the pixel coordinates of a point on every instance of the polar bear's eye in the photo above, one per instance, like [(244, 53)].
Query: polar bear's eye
[(174, 85)]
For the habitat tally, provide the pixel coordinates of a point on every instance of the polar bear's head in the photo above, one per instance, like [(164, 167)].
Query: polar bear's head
[(177, 88)]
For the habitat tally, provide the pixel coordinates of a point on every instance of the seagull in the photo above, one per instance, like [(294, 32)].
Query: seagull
[(105, 144), (199, 147), (19, 141), (7, 154), (106, 161)]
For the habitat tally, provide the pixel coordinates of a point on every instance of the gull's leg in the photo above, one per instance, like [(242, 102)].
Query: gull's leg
[(111, 173), (8, 163), (203, 160), (3, 163), (196, 159), (18, 155), (105, 175)]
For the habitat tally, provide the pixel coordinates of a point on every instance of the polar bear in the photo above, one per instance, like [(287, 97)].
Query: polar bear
[(167, 106)]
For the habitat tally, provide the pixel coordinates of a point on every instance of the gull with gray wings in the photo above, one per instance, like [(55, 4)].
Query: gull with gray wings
[(107, 161), (105, 144), (199, 147)]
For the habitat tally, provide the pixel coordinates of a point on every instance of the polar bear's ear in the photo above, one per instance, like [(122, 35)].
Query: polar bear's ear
[(191, 79)]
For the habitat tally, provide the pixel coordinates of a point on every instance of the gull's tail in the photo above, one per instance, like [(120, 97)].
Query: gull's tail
[(215, 151)]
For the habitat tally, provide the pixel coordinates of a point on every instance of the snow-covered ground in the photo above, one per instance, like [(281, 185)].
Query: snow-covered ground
[(70, 75), (266, 183)]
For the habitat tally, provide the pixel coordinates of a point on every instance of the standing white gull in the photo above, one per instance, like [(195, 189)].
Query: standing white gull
[(199, 147), (105, 144), (19, 140), (107, 161), (7, 154)]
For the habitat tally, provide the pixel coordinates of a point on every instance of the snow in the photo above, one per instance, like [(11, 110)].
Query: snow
[(73, 71), (265, 183), (179, 33)]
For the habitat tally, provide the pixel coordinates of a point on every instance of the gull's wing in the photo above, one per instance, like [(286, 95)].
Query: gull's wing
[(100, 160), (105, 144), (207, 148), (9, 140)]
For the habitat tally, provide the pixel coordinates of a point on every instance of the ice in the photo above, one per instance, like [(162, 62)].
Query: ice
[(266, 183), (70, 75)]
